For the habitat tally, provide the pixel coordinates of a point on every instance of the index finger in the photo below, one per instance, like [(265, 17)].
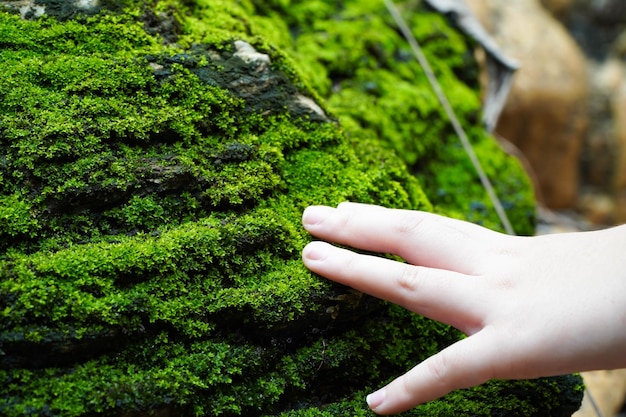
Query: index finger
[(418, 237)]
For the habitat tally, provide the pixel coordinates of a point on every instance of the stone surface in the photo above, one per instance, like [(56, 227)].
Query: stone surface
[(607, 389), (545, 116), (601, 150), (155, 159), (557, 7), (598, 208), (598, 29), (619, 179)]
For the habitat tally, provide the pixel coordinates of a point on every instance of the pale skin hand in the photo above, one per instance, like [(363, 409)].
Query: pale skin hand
[(531, 306)]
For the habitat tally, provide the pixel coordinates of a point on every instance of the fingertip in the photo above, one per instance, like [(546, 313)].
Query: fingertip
[(376, 399), (314, 215), (315, 251)]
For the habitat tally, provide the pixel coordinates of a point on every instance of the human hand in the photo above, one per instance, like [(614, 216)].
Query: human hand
[(531, 306)]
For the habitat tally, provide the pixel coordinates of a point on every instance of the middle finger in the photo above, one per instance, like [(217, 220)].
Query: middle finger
[(442, 295)]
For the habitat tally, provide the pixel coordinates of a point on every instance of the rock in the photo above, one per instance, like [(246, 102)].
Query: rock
[(558, 7), (607, 389), (604, 157), (155, 159), (597, 208), (564, 221), (545, 116), (598, 29), (600, 151), (593, 24), (619, 178)]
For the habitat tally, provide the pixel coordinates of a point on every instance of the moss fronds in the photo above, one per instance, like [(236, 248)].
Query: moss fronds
[(155, 159)]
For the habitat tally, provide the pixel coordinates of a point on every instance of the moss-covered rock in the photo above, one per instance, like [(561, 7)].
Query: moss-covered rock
[(155, 158)]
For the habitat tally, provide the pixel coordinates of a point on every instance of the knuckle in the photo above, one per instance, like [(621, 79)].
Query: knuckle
[(438, 368), (350, 263), (409, 223), (342, 217), (408, 279)]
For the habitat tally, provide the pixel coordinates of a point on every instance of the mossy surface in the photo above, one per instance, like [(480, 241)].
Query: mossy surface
[(155, 158)]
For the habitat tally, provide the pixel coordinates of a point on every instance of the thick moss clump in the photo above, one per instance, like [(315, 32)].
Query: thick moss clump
[(155, 158)]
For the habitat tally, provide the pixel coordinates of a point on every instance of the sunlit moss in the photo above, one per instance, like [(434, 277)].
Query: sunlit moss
[(151, 188)]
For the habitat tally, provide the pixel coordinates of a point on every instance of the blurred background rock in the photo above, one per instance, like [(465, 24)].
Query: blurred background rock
[(566, 114)]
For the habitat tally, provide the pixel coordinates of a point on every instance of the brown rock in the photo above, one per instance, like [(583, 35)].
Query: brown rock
[(545, 116), (607, 389), (557, 7), (600, 148), (619, 114), (597, 208)]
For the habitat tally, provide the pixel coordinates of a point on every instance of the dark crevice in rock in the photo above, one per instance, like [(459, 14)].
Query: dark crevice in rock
[(163, 24), (246, 73)]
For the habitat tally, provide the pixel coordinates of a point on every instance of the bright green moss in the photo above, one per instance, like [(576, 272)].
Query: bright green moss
[(373, 83), (16, 217), (153, 171)]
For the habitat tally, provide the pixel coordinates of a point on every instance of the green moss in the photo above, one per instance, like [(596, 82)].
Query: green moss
[(152, 179), (374, 85), (16, 217)]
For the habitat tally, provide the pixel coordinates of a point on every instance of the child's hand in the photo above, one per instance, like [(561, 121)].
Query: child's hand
[(531, 306)]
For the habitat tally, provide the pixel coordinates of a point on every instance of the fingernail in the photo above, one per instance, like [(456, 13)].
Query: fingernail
[(315, 251), (315, 215), (376, 399)]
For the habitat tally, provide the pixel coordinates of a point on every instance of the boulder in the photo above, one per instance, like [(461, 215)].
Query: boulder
[(607, 389), (598, 29), (546, 114), (558, 7), (618, 100), (155, 159)]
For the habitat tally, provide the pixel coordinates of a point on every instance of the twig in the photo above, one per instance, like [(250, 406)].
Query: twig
[(432, 79)]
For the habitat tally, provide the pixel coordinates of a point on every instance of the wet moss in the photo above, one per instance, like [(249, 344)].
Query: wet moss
[(155, 158)]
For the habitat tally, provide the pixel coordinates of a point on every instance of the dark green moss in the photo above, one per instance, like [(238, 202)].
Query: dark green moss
[(153, 171)]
